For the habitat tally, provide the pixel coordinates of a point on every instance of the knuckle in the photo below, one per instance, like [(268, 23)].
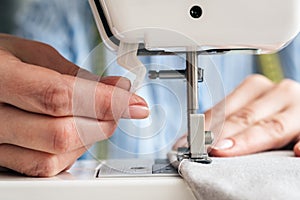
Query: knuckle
[(289, 86), (275, 129), (46, 166), (244, 117), (258, 79), (62, 133), (105, 106), (57, 99)]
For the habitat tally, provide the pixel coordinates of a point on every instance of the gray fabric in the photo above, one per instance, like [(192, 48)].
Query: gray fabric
[(270, 175)]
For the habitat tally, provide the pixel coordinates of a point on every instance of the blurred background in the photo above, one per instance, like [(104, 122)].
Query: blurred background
[(7, 15)]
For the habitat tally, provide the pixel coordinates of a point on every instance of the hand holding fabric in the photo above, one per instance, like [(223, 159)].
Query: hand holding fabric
[(259, 116)]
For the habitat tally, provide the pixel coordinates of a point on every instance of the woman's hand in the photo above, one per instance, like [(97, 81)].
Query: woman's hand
[(259, 116), (48, 116)]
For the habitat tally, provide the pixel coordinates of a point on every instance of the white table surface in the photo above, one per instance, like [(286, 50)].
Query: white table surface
[(80, 183)]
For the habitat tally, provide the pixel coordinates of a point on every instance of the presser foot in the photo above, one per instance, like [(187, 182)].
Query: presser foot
[(183, 153)]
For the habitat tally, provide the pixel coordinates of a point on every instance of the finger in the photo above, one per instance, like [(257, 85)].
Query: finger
[(181, 142), (35, 163), (41, 54), (37, 53), (40, 90), (272, 133), (120, 82), (258, 110), (117, 81), (252, 87), (297, 149), (106, 102), (49, 134)]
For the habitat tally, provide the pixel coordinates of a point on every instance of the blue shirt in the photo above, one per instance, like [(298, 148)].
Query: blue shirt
[(69, 27)]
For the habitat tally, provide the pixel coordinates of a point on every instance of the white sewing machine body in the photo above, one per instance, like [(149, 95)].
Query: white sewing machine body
[(80, 183), (265, 25)]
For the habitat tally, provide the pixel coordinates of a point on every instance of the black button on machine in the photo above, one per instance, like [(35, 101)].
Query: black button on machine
[(196, 12)]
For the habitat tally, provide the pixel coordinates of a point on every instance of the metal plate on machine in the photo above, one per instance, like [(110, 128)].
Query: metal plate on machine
[(135, 168)]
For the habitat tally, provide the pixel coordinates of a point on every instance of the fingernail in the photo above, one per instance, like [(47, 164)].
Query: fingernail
[(297, 150), (138, 112), (136, 100), (224, 144)]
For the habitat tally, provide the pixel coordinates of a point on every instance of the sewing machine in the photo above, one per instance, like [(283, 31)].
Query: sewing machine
[(135, 28), (186, 28)]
